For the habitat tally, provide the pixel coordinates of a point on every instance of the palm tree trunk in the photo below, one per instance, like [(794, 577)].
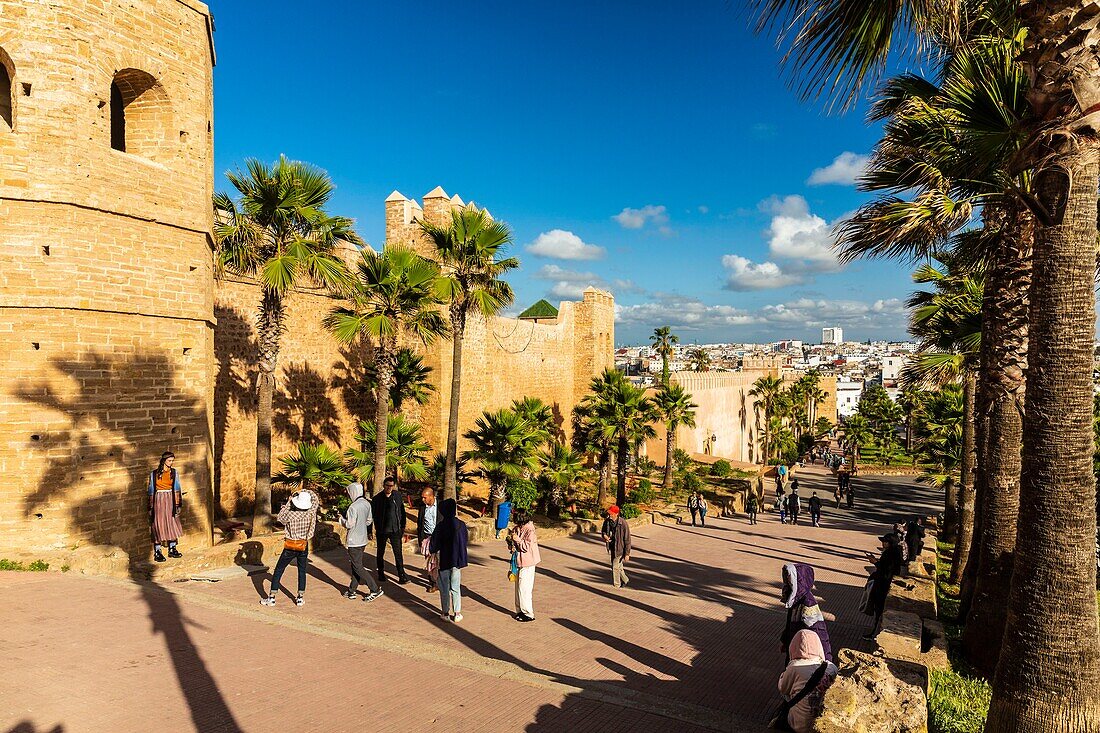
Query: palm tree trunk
[(767, 433), (384, 366), (966, 482), (450, 471), (1003, 364), (670, 448), (1048, 676), (620, 471), (269, 325), (605, 478)]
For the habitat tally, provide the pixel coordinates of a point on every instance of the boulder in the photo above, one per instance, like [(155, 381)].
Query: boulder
[(874, 695)]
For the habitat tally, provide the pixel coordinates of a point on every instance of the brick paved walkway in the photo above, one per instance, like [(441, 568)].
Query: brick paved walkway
[(691, 643)]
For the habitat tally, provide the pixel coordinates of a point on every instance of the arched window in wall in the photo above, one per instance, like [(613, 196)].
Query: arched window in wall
[(7, 98), (141, 115)]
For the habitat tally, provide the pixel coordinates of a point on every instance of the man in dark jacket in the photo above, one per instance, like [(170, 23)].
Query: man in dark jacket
[(815, 510), (389, 526), (616, 534)]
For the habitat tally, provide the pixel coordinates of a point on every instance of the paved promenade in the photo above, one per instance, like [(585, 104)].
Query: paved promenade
[(691, 644)]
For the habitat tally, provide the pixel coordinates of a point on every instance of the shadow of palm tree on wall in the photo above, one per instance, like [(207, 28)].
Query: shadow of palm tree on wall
[(304, 411), (119, 412), (236, 353)]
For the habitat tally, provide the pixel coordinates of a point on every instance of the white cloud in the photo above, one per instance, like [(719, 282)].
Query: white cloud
[(744, 274), (688, 314), (703, 209), (637, 218), (567, 284), (562, 245), (845, 170), (800, 237)]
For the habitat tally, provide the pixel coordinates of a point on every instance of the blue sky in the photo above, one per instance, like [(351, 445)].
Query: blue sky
[(646, 147)]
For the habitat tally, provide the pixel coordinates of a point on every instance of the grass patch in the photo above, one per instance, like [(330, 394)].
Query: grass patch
[(957, 702), (38, 566)]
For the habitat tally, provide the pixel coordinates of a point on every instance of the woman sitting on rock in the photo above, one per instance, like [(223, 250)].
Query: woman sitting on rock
[(803, 684)]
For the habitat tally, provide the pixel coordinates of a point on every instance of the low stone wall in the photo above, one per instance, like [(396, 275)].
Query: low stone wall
[(887, 692)]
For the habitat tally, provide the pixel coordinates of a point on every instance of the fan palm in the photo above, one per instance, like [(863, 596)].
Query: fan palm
[(699, 359), (560, 467), (539, 415), (470, 251), (663, 340), (843, 44), (315, 467), (405, 450), (411, 379), (675, 407), (505, 446), (766, 390), (277, 232), (857, 433), (437, 469), (590, 430), (393, 296)]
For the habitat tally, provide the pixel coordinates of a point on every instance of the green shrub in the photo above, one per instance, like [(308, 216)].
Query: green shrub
[(38, 566), (956, 704), (680, 459), (688, 481), (523, 492), (11, 564), (644, 493), (644, 466), (721, 468), (629, 511), (583, 514)]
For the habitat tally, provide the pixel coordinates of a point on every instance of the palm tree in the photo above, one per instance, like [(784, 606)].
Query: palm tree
[(394, 296), (663, 340), (675, 407), (278, 232), (910, 399), (590, 431), (411, 379), (857, 433), (469, 251), (405, 450), (699, 359), (561, 467), (940, 443), (539, 415), (1041, 681), (315, 467), (437, 469), (505, 446), (822, 427), (624, 417), (767, 390)]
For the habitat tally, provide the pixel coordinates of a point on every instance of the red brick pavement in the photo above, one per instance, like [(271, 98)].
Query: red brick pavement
[(692, 642)]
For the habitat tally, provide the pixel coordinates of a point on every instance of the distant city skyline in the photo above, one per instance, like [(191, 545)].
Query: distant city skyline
[(621, 162)]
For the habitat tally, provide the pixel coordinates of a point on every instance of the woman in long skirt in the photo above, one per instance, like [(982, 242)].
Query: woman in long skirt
[(165, 502)]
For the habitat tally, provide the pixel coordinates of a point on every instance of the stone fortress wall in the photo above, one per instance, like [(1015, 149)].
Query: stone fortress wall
[(106, 304)]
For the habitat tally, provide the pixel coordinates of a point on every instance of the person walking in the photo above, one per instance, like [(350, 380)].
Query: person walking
[(358, 520), (803, 611), (389, 528), (165, 504), (701, 502), (794, 502), (803, 684), (523, 541), (299, 519), (781, 505), (616, 535), (425, 525), (449, 541), (848, 493), (751, 507), (885, 568), (914, 537), (693, 507), (815, 510), (837, 495)]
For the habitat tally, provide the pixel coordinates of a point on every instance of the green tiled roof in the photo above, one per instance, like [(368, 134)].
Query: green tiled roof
[(541, 309)]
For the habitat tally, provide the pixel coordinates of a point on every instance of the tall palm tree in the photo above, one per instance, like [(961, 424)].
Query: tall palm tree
[(505, 446), (663, 340), (624, 417), (1041, 682), (675, 407), (561, 467), (470, 253), (699, 360), (406, 450), (591, 419), (393, 296), (437, 469), (277, 231), (766, 390), (857, 433)]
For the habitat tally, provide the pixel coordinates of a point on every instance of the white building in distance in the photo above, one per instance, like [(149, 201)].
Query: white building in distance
[(848, 393), (833, 336)]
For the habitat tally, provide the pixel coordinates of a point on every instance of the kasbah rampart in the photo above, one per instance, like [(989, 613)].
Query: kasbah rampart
[(117, 342)]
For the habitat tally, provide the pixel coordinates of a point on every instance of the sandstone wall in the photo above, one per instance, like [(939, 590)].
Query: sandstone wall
[(106, 296)]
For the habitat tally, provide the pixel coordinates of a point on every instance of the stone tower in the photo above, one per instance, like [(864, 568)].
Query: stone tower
[(106, 287)]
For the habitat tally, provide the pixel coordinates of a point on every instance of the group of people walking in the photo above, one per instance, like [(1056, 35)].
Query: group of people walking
[(789, 505)]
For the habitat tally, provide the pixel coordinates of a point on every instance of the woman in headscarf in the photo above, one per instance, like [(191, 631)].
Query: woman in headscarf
[(803, 611), (449, 540), (803, 683), (165, 503)]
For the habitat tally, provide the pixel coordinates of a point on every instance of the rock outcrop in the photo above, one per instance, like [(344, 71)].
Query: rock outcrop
[(875, 695)]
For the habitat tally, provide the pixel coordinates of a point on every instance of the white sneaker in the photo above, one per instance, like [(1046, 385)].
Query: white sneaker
[(268, 601), (371, 596), (299, 601), (457, 618)]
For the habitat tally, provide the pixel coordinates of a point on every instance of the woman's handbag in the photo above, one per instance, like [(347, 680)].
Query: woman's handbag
[(779, 720), (865, 598), (513, 567), (295, 545)]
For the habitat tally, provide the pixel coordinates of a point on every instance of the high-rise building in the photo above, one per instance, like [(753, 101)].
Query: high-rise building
[(833, 336)]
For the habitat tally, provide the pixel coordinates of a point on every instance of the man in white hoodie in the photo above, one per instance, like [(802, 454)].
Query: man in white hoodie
[(358, 522)]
